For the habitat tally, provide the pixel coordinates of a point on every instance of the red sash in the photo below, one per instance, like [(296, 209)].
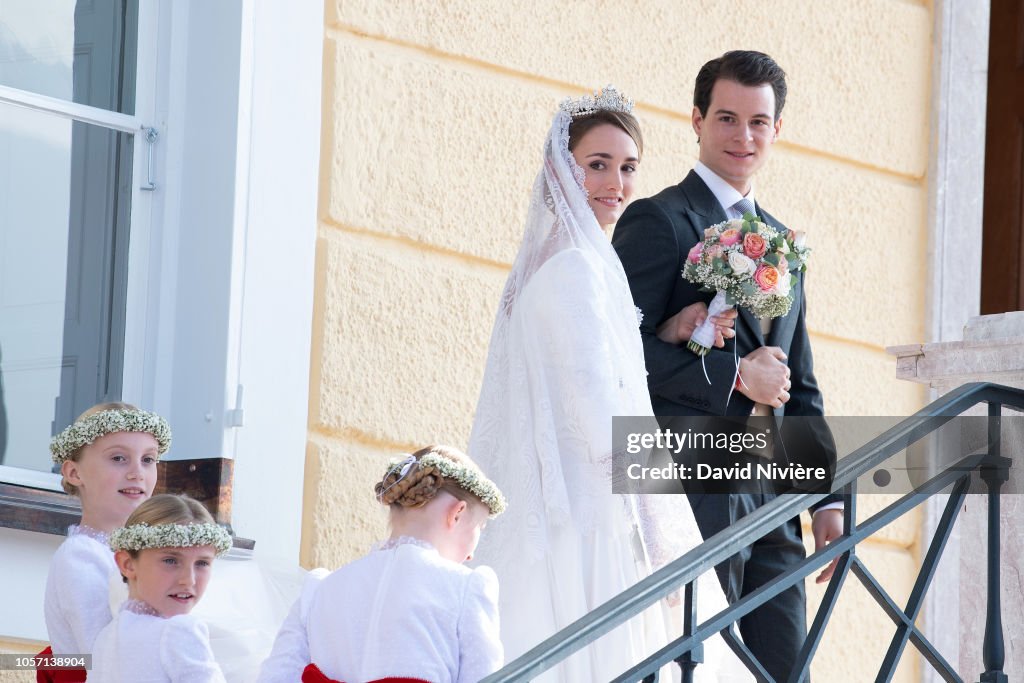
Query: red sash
[(313, 674), (58, 676)]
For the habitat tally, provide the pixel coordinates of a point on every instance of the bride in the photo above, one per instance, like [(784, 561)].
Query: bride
[(565, 356)]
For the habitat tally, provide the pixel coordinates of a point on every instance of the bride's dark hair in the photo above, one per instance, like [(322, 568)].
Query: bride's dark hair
[(627, 123)]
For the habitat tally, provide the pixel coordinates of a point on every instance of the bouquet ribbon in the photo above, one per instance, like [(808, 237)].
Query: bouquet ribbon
[(703, 338)]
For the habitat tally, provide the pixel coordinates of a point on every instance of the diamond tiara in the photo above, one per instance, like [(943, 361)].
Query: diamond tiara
[(607, 99)]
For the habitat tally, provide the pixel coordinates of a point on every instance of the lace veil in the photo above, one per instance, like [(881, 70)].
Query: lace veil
[(565, 355)]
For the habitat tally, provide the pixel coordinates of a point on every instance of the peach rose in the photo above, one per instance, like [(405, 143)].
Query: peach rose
[(713, 252), (766, 277), (754, 246), (695, 252), (729, 237), (710, 232)]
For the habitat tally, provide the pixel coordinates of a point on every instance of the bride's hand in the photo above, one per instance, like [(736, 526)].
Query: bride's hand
[(679, 328)]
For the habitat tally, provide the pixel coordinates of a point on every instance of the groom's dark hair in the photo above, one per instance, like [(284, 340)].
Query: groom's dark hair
[(746, 67)]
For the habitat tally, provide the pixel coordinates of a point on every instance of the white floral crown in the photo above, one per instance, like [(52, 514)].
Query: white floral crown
[(467, 477), (607, 99), (86, 430), (143, 536)]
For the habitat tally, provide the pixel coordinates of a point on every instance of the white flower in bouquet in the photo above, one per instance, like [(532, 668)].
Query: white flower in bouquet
[(740, 264), (784, 285)]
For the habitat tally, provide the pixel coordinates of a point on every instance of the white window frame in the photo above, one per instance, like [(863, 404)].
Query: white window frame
[(139, 257), (258, 348), (260, 336)]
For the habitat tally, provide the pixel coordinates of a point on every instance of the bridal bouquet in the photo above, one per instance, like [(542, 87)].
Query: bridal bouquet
[(749, 264)]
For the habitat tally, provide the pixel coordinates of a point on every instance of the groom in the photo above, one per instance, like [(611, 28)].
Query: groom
[(738, 99)]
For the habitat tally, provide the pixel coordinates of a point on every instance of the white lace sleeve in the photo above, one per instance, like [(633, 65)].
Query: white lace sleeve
[(185, 652), (584, 383), (668, 527), (480, 650)]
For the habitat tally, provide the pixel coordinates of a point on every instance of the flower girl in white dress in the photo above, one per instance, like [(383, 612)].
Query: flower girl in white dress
[(108, 460), (165, 552), (410, 610)]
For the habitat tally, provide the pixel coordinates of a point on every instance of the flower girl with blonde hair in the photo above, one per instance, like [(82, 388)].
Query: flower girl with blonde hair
[(107, 458), (165, 553), (409, 610)]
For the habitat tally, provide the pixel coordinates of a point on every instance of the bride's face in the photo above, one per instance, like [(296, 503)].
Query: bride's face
[(610, 158)]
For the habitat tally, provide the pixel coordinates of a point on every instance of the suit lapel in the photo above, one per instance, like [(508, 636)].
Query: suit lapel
[(753, 326), (782, 328), (702, 203), (703, 212)]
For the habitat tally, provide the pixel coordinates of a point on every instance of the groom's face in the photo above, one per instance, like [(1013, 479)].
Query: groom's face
[(738, 131)]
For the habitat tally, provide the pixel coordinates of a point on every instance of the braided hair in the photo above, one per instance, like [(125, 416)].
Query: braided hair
[(421, 484)]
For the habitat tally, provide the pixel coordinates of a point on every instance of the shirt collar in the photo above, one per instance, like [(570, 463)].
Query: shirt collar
[(726, 194)]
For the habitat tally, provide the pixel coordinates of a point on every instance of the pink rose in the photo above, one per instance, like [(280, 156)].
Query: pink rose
[(695, 252), (729, 237), (766, 277), (754, 246), (710, 232), (714, 252), (783, 264)]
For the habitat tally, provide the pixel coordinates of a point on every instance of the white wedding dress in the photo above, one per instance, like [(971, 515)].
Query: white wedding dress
[(565, 356), (245, 603)]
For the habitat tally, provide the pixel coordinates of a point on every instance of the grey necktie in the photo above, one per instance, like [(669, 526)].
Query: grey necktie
[(744, 206)]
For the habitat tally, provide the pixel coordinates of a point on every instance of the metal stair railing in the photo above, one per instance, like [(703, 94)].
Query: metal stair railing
[(684, 570)]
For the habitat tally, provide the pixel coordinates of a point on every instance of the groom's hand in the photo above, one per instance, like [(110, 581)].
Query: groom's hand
[(765, 376), (827, 526)]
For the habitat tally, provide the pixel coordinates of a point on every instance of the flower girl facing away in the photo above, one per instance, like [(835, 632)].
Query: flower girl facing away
[(409, 610), (165, 553)]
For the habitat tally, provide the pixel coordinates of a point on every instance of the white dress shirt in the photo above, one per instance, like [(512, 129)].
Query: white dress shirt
[(726, 194)]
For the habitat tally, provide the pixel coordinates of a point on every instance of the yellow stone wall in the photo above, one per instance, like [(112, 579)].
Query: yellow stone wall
[(433, 118), (20, 647)]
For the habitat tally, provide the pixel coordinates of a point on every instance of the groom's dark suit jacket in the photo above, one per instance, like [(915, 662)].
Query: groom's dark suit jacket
[(653, 239)]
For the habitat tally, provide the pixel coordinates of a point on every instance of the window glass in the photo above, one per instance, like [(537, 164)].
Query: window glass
[(82, 51), (65, 194)]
